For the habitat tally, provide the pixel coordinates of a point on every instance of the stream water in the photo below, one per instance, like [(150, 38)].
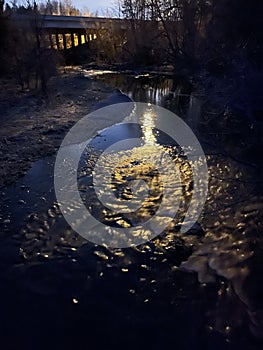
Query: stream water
[(199, 290)]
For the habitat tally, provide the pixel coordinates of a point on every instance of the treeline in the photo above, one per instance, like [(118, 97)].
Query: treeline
[(50, 7), (194, 31), (61, 8)]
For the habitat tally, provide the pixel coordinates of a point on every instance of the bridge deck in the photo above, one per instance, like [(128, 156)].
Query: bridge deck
[(73, 22)]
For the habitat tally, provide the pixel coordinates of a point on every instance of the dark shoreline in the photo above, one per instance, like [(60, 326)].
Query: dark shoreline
[(215, 83), (32, 129)]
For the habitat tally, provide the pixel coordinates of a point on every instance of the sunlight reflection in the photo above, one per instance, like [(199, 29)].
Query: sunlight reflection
[(148, 123)]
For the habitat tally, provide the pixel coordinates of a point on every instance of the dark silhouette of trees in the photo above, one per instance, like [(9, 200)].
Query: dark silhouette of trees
[(24, 50), (215, 39), (62, 8), (198, 31), (4, 34)]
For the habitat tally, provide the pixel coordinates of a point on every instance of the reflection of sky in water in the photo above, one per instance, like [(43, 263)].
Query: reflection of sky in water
[(145, 88)]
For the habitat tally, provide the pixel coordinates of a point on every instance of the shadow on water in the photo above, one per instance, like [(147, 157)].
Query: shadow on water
[(163, 91), (59, 291)]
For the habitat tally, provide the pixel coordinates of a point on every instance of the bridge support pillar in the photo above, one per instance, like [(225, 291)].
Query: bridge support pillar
[(79, 39), (51, 41), (72, 39), (64, 41), (57, 42)]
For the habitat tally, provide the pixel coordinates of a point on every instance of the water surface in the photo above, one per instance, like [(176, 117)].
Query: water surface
[(199, 290)]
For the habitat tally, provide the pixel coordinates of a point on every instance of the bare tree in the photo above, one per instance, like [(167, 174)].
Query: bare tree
[(33, 61)]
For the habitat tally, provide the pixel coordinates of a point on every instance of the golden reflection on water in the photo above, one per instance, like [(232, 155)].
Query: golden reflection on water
[(148, 124), (155, 166)]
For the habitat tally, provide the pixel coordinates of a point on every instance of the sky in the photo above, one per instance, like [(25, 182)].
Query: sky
[(94, 5)]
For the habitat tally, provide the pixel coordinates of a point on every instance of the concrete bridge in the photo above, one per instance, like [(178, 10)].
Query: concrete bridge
[(80, 22), (64, 32)]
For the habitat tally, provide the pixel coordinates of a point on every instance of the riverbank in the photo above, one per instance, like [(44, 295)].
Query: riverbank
[(164, 70), (31, 128), (235, 88)]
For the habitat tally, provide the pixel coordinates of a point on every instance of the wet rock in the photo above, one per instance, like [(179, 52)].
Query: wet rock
[(32, 217), (196, 230)]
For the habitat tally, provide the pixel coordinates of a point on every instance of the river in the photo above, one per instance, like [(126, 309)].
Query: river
[(197, 290)]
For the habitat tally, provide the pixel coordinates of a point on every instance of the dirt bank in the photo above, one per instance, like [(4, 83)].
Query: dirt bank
[(32, 129)]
